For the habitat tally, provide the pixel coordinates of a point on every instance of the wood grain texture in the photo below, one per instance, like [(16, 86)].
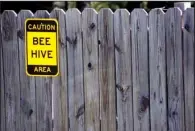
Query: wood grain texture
[(27, 84), (43, 93), (174, 69), (2, 88), (107, 70), (123, 70), (11, 70), (59, 84), (188, 50), (139, 36), (90, 63), (157, 62), (75, 70)]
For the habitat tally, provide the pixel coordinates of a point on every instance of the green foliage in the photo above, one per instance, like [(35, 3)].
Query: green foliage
[(108, 4), (113, 5), (72, 4), (144, 5)]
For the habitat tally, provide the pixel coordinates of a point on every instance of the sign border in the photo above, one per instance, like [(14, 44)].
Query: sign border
[(26, 63)]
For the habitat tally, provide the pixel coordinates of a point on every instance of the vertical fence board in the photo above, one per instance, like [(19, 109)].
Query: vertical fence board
[(2, 88), (43, 93), (139, 23), (174, 69), (11, 70), (27, 84), (75, 70), (106, 70), (157, 63), (90, 62), (59, 85), (123, 70), (188, 44)]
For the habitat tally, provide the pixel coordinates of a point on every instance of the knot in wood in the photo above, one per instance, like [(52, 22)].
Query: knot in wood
[(20, 34), (80, 111), (144, 104), (187, 27), (119, 87), (117, 48), (174, 113), (30, 112), (122, 88), (89, 66), (92, 26), (99, 42), (62, 44), (68, 39)]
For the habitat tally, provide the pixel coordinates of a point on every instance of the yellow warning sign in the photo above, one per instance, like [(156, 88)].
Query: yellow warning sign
[(41, 47)]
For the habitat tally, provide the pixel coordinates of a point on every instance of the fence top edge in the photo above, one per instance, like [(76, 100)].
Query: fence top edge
[(76, 9), (10, 12), (25, 11), (89, 9), (177, 9), (57, 10), (158, 10), (122, 10)]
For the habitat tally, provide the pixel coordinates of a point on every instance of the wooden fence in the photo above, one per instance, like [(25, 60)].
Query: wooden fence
[(119, 71)]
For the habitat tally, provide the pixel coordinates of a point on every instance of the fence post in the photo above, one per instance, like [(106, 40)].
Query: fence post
[(182, 5)]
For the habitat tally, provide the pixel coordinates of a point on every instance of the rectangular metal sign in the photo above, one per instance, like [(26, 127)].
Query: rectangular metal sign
[(41, 38)]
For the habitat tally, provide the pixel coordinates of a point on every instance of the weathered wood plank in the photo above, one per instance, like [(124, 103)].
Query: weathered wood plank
[(90, 63), (2, 90), (75, 70), (11, 70), (123, 70), (173, 26), (27, 84), (106, 70), (188, 50), (43, 93), (59, 85), (157, 62), (139, 36)]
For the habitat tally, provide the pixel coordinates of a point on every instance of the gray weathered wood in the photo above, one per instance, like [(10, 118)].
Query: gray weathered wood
[(43, 93), (2, 92), (139, 36), (157, 62), (11, 70), (123, 70), (27, 84), (59, 85), (173, 26), (188, 50), (90, 63), (106, 70), (75, 70)]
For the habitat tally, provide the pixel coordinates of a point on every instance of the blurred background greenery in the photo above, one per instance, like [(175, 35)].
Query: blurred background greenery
[(97, 5)]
